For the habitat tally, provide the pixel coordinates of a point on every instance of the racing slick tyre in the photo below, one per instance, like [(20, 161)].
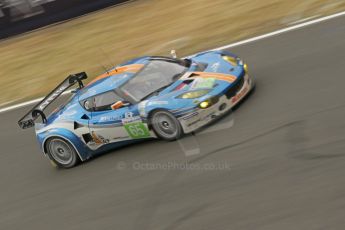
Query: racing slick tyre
[(165, 125), (61, 153)]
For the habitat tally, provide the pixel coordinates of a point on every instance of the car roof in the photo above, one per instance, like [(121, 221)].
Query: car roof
[(113, 78), (116, 77)]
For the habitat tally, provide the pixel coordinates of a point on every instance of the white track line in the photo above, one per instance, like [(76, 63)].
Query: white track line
[(304, 24), (282, 31), (17, 106)]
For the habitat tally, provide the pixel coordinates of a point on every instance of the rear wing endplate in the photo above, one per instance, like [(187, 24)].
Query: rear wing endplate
[(28, 120)]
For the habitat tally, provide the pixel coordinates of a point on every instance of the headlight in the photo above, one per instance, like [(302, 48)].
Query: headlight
[(194, 94), (235, 62), (208, 102), (231, 60), (204, 104), (245, 67)]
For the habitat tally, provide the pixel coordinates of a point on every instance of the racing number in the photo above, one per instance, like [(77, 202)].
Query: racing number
[(137, 130)]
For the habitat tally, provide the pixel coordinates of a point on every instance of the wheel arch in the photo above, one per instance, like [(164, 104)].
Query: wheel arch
[(79, 146)]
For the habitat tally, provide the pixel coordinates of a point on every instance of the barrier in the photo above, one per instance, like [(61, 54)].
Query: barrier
[(19, 16)]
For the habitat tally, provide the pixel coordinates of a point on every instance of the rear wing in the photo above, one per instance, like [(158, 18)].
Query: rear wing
[(28, 120)]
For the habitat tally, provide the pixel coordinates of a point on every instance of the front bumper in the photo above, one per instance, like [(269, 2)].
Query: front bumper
[(201, 117)]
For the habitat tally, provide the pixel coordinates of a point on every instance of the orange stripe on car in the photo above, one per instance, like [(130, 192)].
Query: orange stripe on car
[(218, 76), (119, 70)]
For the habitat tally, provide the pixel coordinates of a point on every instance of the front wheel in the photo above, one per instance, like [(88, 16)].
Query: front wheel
[(166, 126), (61, 153)]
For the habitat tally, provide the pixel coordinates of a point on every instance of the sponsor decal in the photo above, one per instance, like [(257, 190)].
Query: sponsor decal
[(190, 116), (215, 66), (52, 97), (203, 83), (129, 118), (194, 122), (111, 118), (135, 127), (238, 96), (158, 103), (205, 118), (137, 130), (142, 107), (129, 115), (98, 139), (120, 138), (209, 116)]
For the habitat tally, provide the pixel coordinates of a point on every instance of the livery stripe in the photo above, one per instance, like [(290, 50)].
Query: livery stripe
[(119, 70), (218, 76)]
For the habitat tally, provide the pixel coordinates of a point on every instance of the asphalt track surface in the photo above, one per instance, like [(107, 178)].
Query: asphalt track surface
[(285, 148)]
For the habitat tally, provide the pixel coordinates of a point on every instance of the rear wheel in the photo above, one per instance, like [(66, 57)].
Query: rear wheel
[(61, 152), (166, 126)]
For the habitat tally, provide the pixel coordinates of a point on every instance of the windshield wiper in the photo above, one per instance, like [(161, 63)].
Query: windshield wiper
[(157, 91), (177, 76), (174, 79)]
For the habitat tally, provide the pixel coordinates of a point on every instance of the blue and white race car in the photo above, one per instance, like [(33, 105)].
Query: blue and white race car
[(148, 97)]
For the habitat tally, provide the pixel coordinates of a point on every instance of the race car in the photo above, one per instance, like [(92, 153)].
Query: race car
[(147, 97)]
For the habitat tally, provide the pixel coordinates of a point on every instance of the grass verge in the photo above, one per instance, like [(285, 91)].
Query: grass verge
[(34, 63)]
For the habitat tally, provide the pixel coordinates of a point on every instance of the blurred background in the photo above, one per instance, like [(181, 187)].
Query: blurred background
[(19, 16), (43, 41)]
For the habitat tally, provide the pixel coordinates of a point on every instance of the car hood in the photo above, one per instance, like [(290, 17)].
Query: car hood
[(207, 71), (205, 68)]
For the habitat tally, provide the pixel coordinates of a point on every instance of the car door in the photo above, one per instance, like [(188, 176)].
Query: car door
[(109, 125)]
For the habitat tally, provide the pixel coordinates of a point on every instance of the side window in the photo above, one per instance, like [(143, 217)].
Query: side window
[(101, 102)]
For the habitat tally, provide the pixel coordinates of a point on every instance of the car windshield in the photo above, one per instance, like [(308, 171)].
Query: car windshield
[(156, 75)]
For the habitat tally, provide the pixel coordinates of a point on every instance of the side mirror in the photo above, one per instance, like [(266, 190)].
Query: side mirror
[(87, 105), (119, 104)]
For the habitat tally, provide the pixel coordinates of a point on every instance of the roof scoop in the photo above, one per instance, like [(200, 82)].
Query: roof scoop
[(173, 54)]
